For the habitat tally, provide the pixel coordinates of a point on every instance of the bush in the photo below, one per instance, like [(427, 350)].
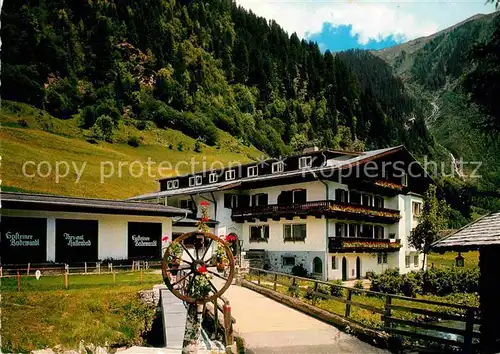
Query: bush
[(299, 271), (358, 284), (180, 146), (440, 282), (337, 291), (197, 146), (293, 290), (133, 141), (103, 129), (23, 123)]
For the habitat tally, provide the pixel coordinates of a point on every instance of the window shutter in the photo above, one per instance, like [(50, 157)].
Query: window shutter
[(263, 199), (244, 201)]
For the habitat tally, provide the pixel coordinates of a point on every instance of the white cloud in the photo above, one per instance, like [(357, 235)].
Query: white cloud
[(369, 20)]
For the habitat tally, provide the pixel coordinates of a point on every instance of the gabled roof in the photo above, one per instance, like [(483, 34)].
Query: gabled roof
[(482, 232), (25, 201), (355, 160)]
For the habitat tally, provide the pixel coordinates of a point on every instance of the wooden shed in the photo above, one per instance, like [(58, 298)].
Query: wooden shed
[(483, 235)]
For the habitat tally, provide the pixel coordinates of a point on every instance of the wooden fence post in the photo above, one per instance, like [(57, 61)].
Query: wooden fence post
[(387, 312), (348, 303), (18, 281), (228, 323), (66, 284), (1, 272), (275, 280), (258, 277), (28, 271), (114, 277), (469, 331), (216, 319), (85, 267)]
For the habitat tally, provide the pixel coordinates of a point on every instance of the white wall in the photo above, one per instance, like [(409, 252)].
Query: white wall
[(369, 262), (112, 231), (315, 235)]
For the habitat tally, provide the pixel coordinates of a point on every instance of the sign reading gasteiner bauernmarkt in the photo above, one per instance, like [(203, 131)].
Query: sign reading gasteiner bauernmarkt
[(23, 240), (76, 240), (144, 240)]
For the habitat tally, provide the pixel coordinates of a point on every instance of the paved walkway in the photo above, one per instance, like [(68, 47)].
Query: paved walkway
[(268, 326)]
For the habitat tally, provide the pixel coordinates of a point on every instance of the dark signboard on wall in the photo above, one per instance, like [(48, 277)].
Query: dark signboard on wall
[(144, 240), (23, 240), (76, 240)]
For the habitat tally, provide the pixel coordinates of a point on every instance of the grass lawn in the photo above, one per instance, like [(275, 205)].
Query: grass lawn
[(30, 134), (447, 259), (93, 309)]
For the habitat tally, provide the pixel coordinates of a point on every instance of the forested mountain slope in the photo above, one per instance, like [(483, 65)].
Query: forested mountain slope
[(195, 66)]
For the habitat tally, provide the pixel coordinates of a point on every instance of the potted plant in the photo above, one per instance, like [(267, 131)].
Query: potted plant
[(175, 257), (200, 287), (221, 259)]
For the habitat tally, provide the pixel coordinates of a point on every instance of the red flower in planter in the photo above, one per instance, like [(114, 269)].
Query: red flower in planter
[(204, 219), (202, 269), (231, 238), (204, 203), (164, 238)]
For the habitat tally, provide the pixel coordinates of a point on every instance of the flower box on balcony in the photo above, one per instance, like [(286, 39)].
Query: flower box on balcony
[(389, 184), (360, 209), (370, 244)]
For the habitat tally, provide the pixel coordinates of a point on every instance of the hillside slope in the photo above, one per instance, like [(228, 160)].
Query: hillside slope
[(432, 69), (194, 67), (29, 134)]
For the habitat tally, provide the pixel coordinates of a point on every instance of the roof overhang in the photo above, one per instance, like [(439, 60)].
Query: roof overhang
[(24, 201)]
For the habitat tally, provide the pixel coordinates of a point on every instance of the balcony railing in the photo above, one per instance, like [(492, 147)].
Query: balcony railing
[(329, 208), (362, 244)]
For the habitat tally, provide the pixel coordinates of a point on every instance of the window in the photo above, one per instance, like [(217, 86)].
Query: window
[(341, 195), (187, 204), (407, 261), (299, 196), (417, 209), (354, 230), (368, 199), (392, 235), (340, 230), (382, 258), (195, 181), (252, 171), (213, 177), (230, 201), (415, 260), (379, 202), (259, 233), (367, 231), (404, 180), (243, 201), (379, 232), (305, 162), (334, 262), (259, 199), (173, 184), (355, 197), (277, 167), (294, 232), (230, 175), (288, 261)]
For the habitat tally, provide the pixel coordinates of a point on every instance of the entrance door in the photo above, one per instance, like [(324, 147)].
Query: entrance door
[(358, 268), (344, 268), (318, 266)]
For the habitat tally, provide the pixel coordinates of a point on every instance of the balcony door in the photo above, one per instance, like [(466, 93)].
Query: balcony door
[(358, 268)]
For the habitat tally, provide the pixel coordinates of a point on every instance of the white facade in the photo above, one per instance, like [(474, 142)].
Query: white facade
[(112, 230), (318, 229)]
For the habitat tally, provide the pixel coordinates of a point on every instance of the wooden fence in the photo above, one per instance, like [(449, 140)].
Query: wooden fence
[(400, 316)]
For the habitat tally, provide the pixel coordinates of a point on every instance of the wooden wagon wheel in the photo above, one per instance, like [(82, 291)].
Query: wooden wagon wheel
[(189, 265)]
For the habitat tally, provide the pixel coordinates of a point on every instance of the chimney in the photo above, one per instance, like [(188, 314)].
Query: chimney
[(310, 149)]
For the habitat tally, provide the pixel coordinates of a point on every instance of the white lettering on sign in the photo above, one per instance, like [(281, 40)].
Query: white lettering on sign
[(17, 239), (143, 241), (76, 240)]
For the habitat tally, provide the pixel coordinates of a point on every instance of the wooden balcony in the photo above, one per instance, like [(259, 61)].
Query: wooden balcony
[(329, 208), (362, 244)]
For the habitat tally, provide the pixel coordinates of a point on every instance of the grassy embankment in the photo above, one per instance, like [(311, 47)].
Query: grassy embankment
[(93, 309), (447, 260), (29, 134)]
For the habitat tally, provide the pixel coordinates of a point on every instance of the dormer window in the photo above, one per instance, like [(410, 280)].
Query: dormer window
[(252, 171), (305, 162), (173, 184), (277, 167), (230, 175), (404, 180), (213, 177), (195, 181)]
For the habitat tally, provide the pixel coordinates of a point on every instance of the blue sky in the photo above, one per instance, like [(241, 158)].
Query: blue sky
[(345, 24)]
